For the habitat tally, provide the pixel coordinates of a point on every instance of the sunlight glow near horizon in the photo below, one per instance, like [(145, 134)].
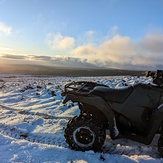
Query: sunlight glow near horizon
[(110, 33)]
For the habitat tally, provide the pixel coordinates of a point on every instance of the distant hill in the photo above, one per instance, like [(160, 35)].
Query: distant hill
[(63, 71)]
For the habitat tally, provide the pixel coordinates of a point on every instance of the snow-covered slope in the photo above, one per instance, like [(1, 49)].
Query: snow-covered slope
[(32, 121)]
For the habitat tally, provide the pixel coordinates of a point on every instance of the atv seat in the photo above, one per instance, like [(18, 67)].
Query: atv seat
[(114, 95)]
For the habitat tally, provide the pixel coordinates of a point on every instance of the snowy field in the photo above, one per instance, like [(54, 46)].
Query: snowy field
[(32, 121)]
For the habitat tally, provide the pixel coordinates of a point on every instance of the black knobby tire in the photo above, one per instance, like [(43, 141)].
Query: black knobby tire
[(84, 133)]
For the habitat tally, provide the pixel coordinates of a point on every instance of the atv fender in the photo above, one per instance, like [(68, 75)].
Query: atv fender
[(100, 104), (95, 101)]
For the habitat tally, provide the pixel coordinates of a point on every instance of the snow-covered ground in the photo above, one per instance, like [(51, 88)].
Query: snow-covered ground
[(32, 121)]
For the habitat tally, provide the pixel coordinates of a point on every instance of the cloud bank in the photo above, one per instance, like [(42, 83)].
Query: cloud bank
[(58, 61), (58, 41), (122, 52), (111, 51)]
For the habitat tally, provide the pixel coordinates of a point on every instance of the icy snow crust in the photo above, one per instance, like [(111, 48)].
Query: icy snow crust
[(32, 121)]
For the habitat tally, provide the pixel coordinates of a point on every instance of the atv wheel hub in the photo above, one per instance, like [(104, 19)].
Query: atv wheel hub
[(84, 137)]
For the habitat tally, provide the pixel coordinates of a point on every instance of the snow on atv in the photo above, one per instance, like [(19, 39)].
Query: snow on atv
[(133, 112)]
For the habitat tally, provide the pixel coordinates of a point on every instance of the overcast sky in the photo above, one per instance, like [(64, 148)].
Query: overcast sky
[(107, 33)]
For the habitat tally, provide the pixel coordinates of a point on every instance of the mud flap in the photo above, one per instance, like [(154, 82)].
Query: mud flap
[(114, 132), (65, 100)]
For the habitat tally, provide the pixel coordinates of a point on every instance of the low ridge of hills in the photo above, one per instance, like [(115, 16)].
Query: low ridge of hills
[(64, 71)]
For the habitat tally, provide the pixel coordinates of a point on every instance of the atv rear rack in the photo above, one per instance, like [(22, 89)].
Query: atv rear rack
[(80, 87)]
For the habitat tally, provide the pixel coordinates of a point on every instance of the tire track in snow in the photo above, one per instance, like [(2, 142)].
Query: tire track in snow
[(17, 133), (27, 112), (111, 148)]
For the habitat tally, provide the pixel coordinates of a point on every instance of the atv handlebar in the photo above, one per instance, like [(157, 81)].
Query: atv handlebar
[(150, 73), (157, 77), (155, 74)]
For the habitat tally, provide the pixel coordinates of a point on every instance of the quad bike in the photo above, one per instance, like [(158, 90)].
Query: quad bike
[(133, 112)]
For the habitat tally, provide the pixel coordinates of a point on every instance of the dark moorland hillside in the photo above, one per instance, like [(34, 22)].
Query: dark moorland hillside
[(60, 71)]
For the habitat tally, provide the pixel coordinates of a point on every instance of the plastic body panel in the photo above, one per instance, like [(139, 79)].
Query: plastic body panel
[(144, 97)]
